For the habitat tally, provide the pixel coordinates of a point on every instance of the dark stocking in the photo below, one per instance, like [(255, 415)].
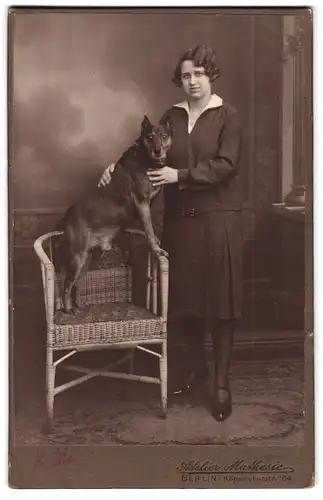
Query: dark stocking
[(194, 330), (222, 336)]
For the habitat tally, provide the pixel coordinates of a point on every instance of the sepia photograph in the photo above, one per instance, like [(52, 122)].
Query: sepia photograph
[(160, 246)]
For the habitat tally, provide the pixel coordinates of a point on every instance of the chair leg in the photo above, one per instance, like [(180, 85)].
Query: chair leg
[(163, 378), (50, 387), (132, 361)]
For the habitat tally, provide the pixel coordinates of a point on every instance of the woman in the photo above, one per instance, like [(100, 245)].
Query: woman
[(203, 221)]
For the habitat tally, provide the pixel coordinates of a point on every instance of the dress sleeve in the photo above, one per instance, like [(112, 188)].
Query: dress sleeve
[(220, 168)]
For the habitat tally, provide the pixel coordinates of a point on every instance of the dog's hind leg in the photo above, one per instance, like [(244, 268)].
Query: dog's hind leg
[(73, 273), (79, 279)]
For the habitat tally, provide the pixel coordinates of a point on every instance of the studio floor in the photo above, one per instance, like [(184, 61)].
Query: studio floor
[(267, 409)]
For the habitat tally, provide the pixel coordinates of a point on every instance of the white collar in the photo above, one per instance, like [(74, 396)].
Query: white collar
[(215, 102)]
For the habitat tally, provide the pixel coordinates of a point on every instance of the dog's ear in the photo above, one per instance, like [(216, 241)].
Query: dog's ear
[(168, 126), (146, 124)]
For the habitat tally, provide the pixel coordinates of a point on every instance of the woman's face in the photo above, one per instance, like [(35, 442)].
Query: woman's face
[(196, 83)]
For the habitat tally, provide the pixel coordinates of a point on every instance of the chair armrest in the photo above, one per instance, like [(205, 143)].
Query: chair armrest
[(164, 284), (48, 275), (38, 247), (163, 266)]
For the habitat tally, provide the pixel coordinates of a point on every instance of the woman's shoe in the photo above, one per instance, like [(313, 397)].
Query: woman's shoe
[(181, 389), (194, 379), (221, 410)]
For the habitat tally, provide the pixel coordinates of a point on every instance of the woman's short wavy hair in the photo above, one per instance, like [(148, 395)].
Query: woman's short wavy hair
[(202, 56)]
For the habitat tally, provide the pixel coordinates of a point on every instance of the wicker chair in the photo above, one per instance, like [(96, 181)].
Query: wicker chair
[(107, 319)]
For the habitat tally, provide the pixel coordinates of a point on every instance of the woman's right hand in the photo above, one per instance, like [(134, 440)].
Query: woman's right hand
[(106, 176)]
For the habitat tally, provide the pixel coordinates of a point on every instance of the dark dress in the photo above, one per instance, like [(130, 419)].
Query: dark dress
[(203, 220)]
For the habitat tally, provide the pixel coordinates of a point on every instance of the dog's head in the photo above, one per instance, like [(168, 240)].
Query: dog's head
[(157, 140)]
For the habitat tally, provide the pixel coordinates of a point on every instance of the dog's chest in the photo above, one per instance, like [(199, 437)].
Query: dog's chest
[(145, 188), (154, 191)]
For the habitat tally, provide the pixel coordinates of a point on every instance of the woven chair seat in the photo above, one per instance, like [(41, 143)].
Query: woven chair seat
[(102, 323)]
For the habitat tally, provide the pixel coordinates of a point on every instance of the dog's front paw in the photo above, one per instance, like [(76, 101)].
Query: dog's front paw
[(160, 252), (163, 253)]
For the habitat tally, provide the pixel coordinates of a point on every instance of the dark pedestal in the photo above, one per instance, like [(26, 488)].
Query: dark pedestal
[(290, 276)]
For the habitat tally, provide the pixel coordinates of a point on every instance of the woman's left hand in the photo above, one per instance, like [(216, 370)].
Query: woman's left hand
[(164, 175)]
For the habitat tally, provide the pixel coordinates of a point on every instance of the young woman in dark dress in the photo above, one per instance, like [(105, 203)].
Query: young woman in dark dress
[(203, 221)]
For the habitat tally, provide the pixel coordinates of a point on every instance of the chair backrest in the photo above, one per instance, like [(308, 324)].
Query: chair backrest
[(112, 284), (110, 280)]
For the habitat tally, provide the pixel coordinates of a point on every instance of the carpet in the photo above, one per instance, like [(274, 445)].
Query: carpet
[(267, 409)]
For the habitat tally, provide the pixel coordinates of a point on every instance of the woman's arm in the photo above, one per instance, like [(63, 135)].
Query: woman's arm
[(222, 167), (207, 173), (106, 176)]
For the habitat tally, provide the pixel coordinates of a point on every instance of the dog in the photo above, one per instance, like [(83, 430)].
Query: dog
[(95, 221)]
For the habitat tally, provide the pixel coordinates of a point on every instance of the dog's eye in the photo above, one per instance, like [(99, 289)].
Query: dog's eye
[(164, 136), (151, 136)]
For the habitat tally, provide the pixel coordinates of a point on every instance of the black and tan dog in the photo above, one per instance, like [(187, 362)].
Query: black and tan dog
[(94, 221)]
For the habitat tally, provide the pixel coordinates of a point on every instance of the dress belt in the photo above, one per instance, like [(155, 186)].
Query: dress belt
[(190, 212)]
